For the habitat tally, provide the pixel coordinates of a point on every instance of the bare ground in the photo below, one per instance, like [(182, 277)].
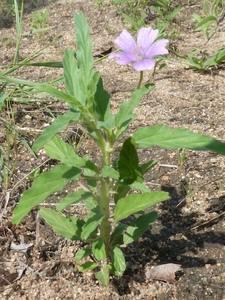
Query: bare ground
[(191, 227)]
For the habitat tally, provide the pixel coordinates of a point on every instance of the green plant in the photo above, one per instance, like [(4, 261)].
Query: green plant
[(19, 28), (4, 171), (99, 3), (115, 216), (202, 62), (211, 16), (133, 12), (164, 12), (39, 21)]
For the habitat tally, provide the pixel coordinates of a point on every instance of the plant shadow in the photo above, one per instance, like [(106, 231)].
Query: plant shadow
[(7, 17), (172, 240)]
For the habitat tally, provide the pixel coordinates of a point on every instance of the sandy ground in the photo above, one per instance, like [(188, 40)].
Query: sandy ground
[(191, 227)]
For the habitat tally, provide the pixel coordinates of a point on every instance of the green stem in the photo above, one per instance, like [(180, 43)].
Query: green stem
[(140, 79), (103, 193), (105, 227), (104, 199)]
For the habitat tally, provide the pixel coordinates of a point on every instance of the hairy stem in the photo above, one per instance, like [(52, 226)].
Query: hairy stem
[(104, 199), (140, 79)]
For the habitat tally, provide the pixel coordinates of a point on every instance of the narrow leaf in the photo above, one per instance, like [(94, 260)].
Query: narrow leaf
[(147, 166), (59, 223), (71, 76), (84, 52), (101, 101), (125, 113), (87, 266), (140, 186), (72, 199), (60, 95), (119, 262), (175, 138), (82, 253), (47, 64), (64, 152), (134, 203), (45, 88), (136, 229), (103, 275), (92, 222), (128, 163), (58, 125), (110, 172), (43, 186), (98, 249), (128, 233)]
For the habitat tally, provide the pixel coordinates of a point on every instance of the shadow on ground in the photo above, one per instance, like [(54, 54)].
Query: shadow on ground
[(7, 17), (174, 240)]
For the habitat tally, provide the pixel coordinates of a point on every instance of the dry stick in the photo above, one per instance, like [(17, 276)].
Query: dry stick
[(168, 166), (5, 206), (208, 221), (28, 129), (24, 177), (37, 238)]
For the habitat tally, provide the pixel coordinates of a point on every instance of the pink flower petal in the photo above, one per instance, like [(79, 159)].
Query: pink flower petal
[(146, 36), (125, 41), (145, 64), (157, 48), (121, 58)]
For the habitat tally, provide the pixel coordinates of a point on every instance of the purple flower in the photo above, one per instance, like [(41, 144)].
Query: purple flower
[(141, 54)]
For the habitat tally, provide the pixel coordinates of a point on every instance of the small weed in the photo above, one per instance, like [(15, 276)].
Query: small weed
[(164, 12), (203, 62), (39, 21), (139, 13), (133, 12), (212, 14), (19, 28)]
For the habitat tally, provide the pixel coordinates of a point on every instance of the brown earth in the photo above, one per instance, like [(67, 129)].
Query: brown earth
[(191, 228)]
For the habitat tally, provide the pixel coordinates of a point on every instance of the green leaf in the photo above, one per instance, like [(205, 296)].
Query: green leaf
[(84, 52), (101, 102), (136, 229), (125, 113), (47, 64), (72, 199), (122, 190), (119, 262), (87, 266), (58, 125), (220, 56), (98, 249), (128, 163), (64, 152), (59, 223), (175, 138), (110, 172), (205, 22), (137, 202), (145, 167), (103, 275), (45, 88), (91, 224), (72, 76), (117, 235), (3, 97), (140, 186), (88, 78), (60, 95), (82, 253), (43, 186), (128, 233)]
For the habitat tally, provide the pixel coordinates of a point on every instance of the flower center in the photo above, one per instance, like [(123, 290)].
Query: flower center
[(139, 54)]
